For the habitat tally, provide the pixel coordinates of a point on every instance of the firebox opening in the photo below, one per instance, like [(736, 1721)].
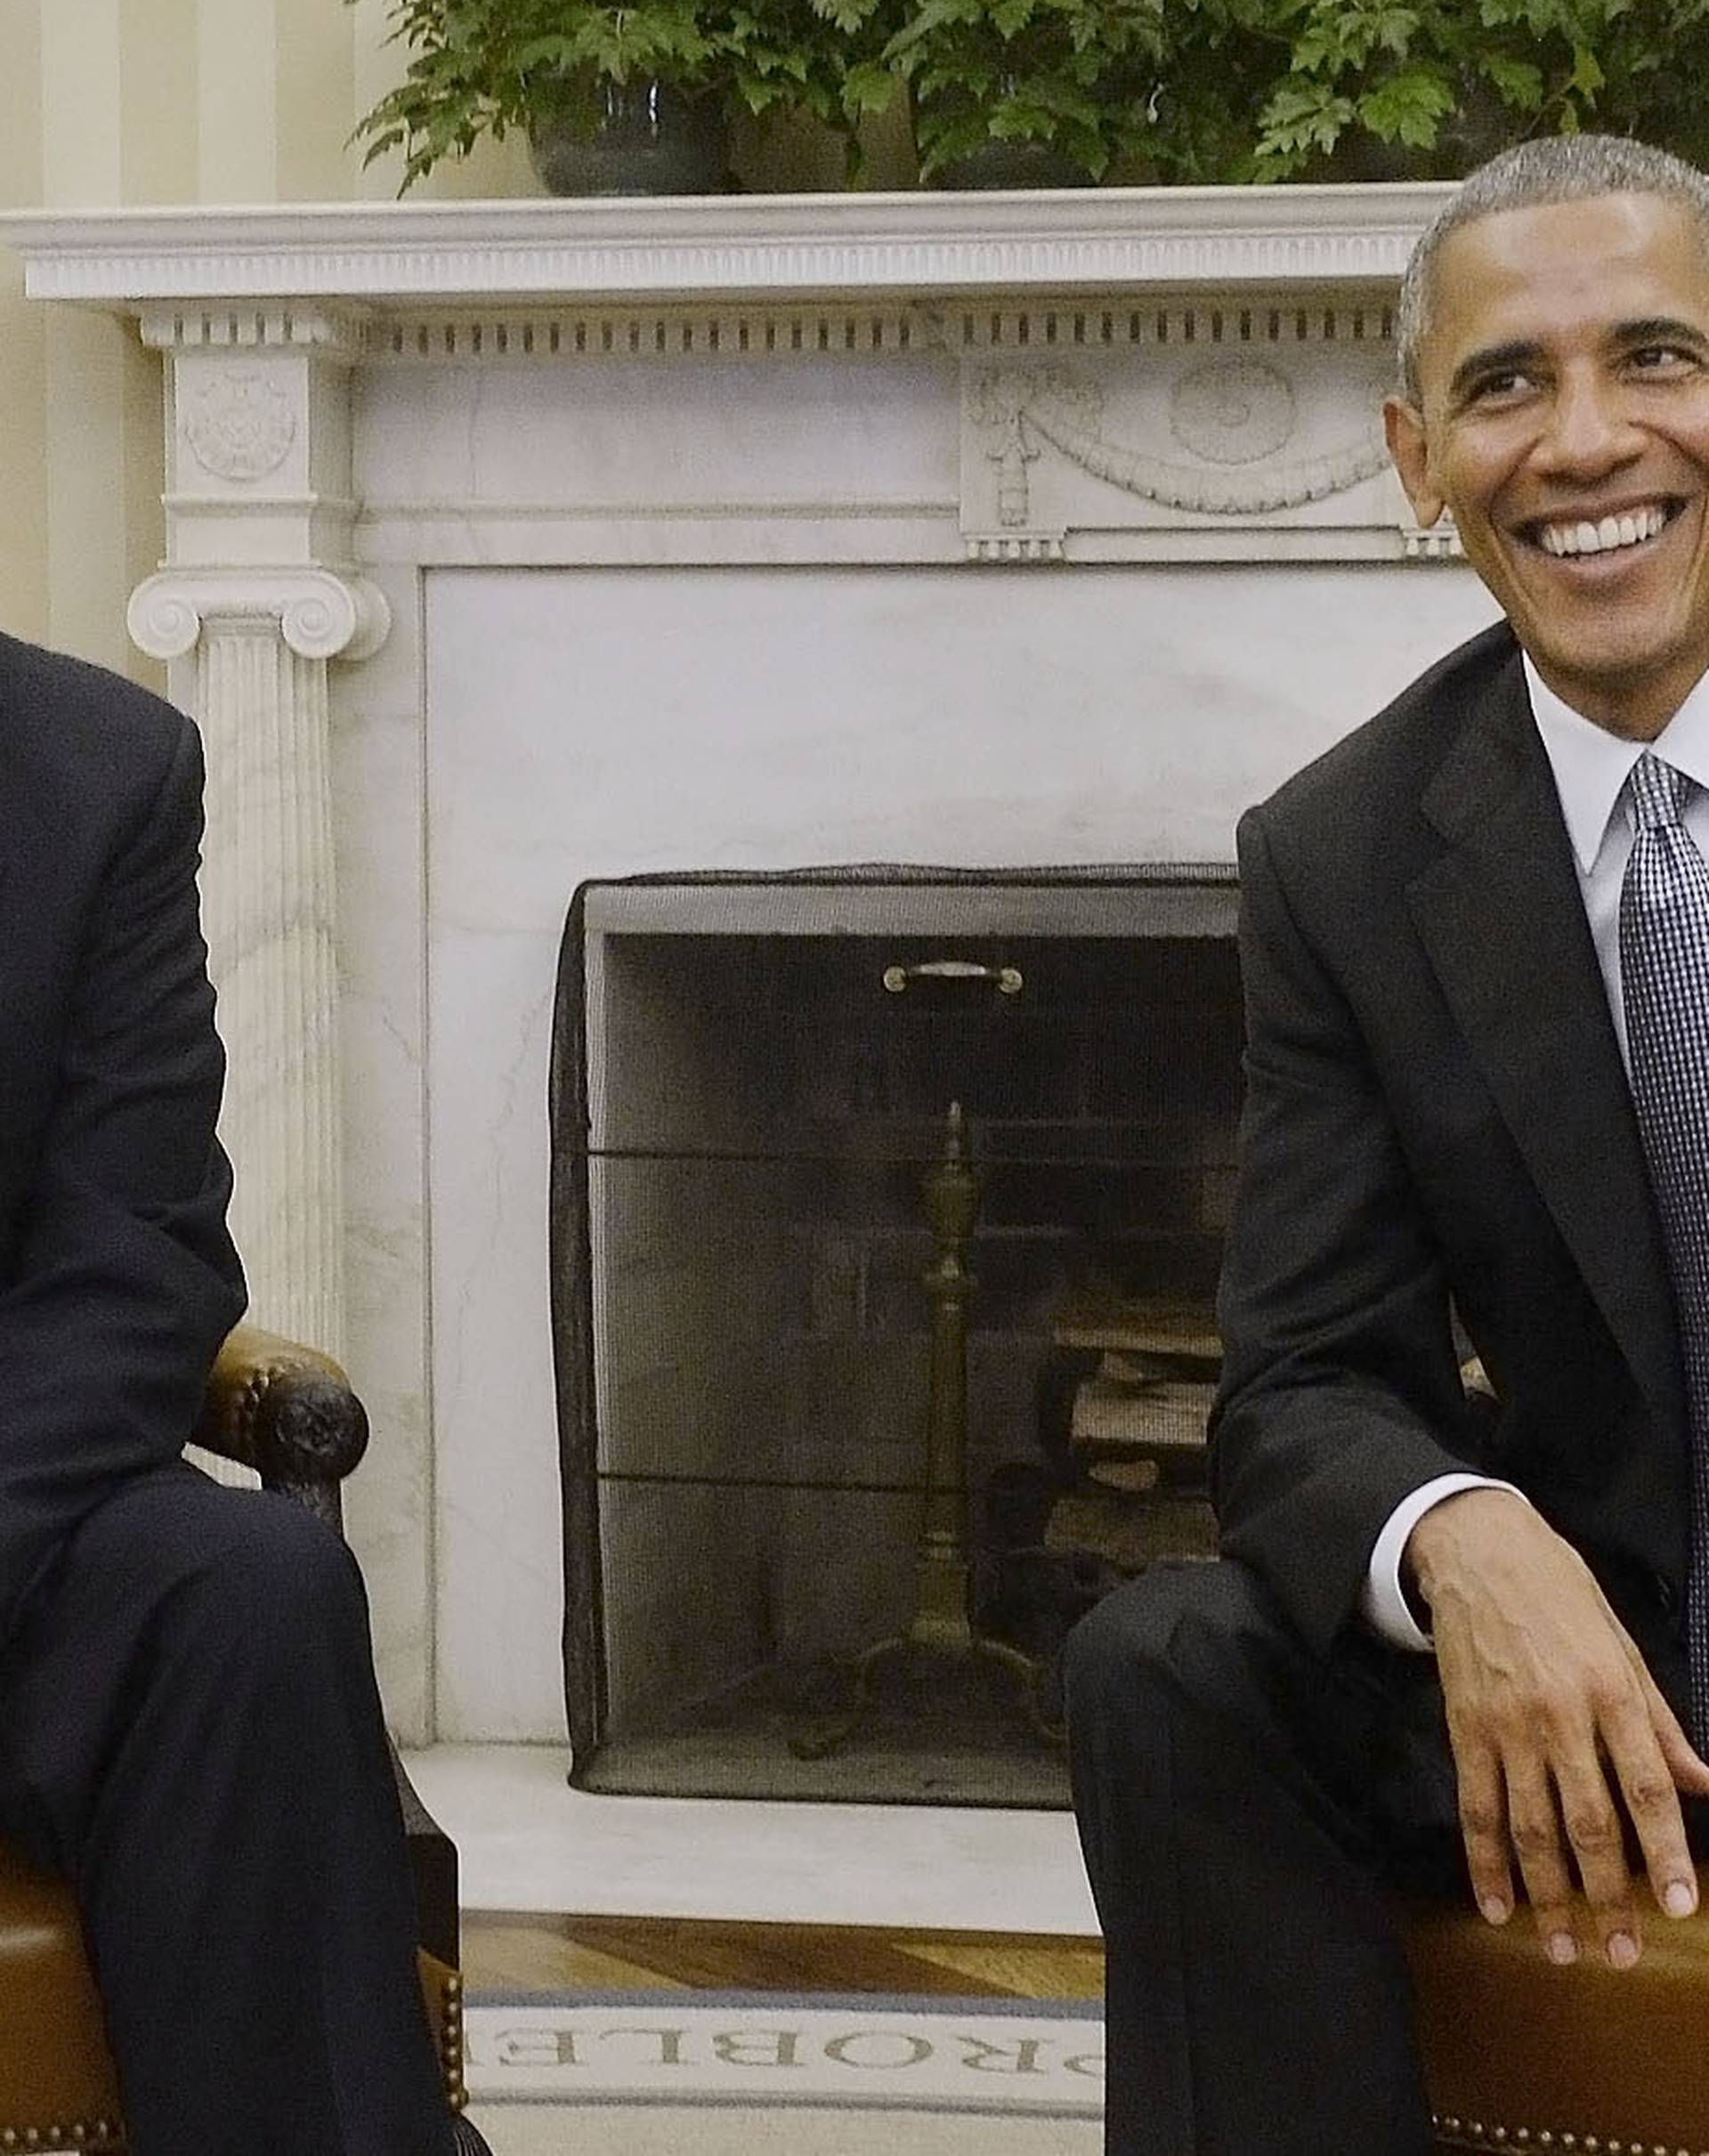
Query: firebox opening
[(753, 1077)]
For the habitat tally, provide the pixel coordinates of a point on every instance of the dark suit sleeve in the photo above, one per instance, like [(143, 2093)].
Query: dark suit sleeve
[(124, 1281), (1340, 1389)]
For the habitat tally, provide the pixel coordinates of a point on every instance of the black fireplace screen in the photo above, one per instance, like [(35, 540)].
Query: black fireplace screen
[(754, 1079)]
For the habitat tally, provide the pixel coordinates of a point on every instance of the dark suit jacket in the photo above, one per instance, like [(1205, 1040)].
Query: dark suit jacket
[(117, 1280), (1438, 1121)]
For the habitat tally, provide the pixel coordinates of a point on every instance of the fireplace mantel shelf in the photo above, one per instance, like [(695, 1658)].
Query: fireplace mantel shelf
[(393, 257)]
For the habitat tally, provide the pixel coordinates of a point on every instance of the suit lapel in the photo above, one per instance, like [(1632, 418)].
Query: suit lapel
[(1503, 919)]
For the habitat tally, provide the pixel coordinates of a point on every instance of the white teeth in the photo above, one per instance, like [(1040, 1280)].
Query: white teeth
[(1613, 532)]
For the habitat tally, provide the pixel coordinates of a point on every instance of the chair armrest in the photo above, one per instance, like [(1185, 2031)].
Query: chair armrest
[(286, 1411)]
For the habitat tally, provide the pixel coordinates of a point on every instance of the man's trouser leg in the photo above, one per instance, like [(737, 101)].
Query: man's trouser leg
[(1237, 1800), (189, 1732)]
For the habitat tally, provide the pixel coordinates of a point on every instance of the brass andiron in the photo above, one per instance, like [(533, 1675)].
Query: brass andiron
[(941, 1625)]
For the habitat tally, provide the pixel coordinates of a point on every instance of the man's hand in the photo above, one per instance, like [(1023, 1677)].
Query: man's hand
[(1556, 1726)]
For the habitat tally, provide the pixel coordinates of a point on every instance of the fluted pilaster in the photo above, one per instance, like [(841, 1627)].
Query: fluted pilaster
[(262, 646), (270, 909)]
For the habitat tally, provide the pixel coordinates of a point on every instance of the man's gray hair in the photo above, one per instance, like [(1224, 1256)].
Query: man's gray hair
[(1554, 168)]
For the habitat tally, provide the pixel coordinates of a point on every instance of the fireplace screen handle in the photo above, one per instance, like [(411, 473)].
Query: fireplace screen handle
[(1007, 980)]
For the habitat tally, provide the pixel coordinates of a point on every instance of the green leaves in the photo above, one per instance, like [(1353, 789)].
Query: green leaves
[(1519, 82), (1408, 106), (868, 86), (1439, 85), (820, 57), (1077, 77), (486, 66), (1302, 118), (1144, 90)]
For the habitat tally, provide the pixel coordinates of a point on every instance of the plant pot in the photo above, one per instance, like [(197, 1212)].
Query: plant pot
[(1013, 165), (648, 138)]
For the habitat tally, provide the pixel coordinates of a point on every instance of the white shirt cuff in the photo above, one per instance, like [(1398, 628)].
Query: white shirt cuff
[(1385, 1606)]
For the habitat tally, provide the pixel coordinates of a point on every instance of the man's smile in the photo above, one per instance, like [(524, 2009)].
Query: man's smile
[(1610, 531)]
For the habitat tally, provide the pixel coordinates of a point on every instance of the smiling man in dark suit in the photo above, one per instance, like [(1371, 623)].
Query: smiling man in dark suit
[(189, 1725), (1453, 1642)]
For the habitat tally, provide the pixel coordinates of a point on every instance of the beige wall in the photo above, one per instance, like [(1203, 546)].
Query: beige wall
[(111, 101)]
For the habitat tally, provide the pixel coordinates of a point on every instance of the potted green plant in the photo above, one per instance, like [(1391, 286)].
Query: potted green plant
[(1036, 92), (632, 99), (1425, 89), (567, 72), (1028, 92), (1215, 91)]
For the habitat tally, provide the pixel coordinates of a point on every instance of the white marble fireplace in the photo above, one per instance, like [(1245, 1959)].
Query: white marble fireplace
[(510, 545)]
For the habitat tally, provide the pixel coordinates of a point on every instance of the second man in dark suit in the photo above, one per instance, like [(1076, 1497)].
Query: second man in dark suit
[(1451, 1642), (189, 1730)]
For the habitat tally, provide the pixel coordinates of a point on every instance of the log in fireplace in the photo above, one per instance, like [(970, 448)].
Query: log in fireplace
[(753, 1075)]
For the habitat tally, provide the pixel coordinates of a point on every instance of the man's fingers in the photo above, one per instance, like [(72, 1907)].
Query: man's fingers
[(1483, 1828), (1652, 1804), (1595, 1835), (1650, 1789), (1534, 1828), (1687, 1767)]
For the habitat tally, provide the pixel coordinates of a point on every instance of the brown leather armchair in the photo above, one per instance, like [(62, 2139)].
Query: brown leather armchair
[(289, 1414), (1520, 2055)]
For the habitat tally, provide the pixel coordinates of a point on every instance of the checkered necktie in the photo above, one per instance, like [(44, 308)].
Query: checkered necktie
[(1664, 981)]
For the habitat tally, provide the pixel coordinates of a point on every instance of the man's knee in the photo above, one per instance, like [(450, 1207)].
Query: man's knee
[(1172, 1627), (245, 1576), (1196, 1659), (185, 1622), (282, 1567)]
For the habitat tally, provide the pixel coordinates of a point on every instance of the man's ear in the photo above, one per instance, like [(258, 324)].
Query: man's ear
[(1403, 424)]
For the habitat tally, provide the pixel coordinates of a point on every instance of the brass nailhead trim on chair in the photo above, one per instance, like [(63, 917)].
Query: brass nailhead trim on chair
[(1474, 2134), (92, 2137), (451, 2043)]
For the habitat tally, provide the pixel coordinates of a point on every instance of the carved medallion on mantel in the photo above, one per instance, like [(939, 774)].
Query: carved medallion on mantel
[(241, 424), (1203, 432)]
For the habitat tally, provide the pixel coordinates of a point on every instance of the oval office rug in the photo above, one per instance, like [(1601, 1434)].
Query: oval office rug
[(816, 2075)]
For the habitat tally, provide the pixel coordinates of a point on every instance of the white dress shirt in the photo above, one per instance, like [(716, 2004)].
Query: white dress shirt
[(1591, 767)]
